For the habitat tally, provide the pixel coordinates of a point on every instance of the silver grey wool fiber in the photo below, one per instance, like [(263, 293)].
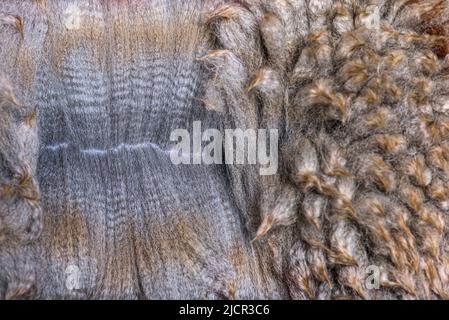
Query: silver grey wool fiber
[(90, 91)]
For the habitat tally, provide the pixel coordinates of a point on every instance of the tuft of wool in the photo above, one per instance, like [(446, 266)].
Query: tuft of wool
[(364, 102), (20, 208), (13, 21), (20, 214)]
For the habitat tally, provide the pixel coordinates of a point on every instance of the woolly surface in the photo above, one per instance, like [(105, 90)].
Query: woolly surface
[(362, 111)]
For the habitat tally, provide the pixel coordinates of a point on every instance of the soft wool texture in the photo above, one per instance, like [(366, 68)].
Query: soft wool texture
[(91, 89)]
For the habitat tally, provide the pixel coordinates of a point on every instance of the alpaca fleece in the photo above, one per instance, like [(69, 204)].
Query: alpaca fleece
[(90, 91)]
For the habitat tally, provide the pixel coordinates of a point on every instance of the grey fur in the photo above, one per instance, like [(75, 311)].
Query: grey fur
[(89, 185)]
